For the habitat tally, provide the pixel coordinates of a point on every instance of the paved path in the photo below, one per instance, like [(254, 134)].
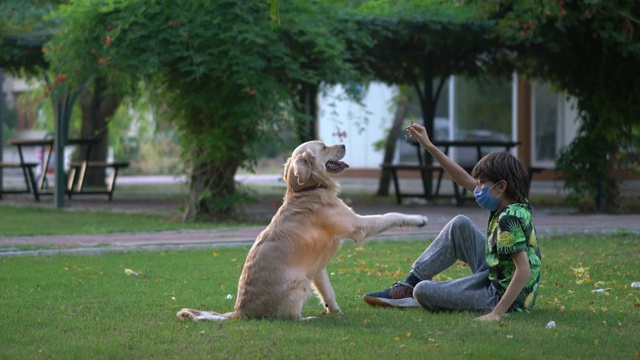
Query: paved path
[(549, 221)]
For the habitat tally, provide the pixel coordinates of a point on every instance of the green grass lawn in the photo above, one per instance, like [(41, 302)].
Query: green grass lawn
[(27, 221), (85, 306)]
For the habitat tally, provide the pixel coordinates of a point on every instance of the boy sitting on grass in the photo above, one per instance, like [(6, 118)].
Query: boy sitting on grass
[(505, 261)]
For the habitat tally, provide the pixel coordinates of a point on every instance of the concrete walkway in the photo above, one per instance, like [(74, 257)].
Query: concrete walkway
[(548, 221)]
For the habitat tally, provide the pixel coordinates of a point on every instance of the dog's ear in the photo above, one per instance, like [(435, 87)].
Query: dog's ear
[(302, 166), (285, 175)]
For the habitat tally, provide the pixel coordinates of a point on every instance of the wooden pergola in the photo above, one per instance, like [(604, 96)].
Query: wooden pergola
[(30, 47)]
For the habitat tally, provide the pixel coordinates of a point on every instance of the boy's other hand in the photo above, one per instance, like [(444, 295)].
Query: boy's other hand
[(489, 317)]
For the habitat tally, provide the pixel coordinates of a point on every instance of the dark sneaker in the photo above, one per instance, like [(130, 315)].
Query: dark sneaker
[(398, 295)]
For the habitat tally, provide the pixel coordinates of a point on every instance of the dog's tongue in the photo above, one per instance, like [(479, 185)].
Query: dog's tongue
[(336, 165)]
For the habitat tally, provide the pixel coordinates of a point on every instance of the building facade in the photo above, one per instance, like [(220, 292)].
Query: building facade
[(532, 113)]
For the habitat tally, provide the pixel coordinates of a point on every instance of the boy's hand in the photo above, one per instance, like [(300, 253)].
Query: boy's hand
[(489, 317), (418, 132)]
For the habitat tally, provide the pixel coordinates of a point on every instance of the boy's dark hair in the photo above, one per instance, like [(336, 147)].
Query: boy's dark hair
[(501, 165)]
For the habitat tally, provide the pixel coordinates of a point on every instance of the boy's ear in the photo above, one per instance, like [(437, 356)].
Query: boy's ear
[(503, 185)]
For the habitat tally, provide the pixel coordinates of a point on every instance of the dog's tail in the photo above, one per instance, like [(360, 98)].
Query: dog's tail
[(197, 315)]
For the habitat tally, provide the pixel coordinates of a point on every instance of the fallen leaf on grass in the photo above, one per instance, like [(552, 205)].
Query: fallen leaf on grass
[(130, 272)]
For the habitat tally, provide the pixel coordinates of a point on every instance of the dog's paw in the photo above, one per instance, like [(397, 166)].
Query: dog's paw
[(186, 314), (331, 309), (332, 312), (418, 221), (196, 315)]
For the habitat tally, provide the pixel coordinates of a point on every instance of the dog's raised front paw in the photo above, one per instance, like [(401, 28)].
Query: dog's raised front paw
[(417, 221)]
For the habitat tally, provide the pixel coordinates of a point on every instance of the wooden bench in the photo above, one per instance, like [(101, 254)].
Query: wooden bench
[(29, 178), (426, 175), (77, 173)]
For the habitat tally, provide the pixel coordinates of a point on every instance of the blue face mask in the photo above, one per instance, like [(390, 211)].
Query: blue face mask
[(485, 200)]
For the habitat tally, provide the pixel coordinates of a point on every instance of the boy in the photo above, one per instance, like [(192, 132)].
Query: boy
[(505, 262)]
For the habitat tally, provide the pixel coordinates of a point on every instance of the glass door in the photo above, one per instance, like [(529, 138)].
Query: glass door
[(546, 125)]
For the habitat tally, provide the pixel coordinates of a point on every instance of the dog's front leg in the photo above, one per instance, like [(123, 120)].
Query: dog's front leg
[(369, 225), (324, 290)]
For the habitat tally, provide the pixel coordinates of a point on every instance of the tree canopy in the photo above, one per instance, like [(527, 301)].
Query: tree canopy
[(23, 30), (233, 75), (589, 50), (220, 69)]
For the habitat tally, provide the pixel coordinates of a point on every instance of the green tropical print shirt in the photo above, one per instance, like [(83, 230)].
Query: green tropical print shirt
[(509, 232)]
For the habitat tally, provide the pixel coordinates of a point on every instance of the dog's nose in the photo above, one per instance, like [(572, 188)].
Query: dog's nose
[(343, 146)]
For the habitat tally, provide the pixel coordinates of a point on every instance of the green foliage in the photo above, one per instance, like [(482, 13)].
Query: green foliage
[(223, 75), (416, 39), (23, 28), (70, 306), (10, 121), (588, 49), (433, 13), (583, 166)]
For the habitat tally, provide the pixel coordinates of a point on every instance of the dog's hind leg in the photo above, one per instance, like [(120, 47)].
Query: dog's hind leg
[(292, 300), (197, 315)]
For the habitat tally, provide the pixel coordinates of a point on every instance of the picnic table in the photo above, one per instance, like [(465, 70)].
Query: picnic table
[(427, 170), (75, 178)]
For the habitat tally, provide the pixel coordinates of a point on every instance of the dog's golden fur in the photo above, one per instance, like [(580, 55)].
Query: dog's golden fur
[(292, 252)]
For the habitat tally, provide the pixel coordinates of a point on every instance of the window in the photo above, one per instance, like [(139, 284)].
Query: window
[(546, 124), (482, 109)]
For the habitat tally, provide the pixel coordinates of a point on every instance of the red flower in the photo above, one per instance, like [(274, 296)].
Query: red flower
[(61, 78), (170, 24), (249, 91), (109, 27), (108, 40)]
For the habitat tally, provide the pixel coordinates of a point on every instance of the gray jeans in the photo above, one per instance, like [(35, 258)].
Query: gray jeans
[(460, 240)]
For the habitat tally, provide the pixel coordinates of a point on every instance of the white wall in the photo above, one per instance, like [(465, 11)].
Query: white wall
[(364, 126)]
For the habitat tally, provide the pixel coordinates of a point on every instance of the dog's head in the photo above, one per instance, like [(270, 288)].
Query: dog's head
[(312, 165)]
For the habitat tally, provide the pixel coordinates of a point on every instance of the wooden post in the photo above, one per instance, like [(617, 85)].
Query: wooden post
[(1, 123), (58, 146)]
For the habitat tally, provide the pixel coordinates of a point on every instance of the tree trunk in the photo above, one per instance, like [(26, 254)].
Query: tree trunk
[(308, 105), (613, 203), (212, 191), (402, 107), (97, 107)]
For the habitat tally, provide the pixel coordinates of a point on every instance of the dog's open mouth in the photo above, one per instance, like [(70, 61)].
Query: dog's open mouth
[(336, 166)]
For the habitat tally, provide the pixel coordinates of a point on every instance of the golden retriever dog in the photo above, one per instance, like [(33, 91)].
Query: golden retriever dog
[(291, 254)]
